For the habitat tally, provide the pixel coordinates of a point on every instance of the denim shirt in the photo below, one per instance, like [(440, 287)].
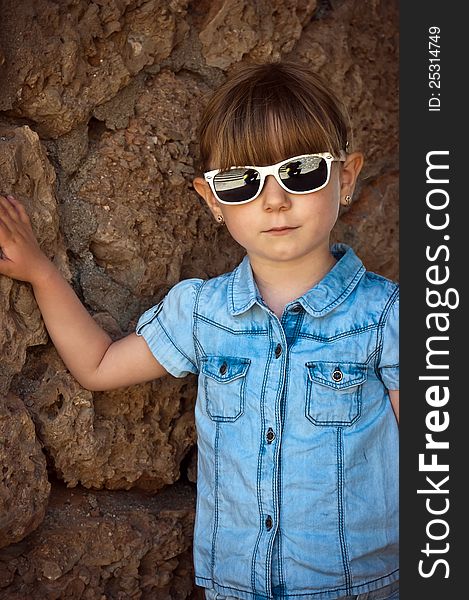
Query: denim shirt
[(297, 488)]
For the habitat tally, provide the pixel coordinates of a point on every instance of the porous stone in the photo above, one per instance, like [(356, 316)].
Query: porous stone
[(27, 174), (96, 545), (151, 230), (371, 226), (63, 59), (235, 29), (132, 437), (24, 486)]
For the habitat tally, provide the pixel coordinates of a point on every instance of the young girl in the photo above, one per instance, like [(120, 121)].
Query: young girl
[(296, 352)]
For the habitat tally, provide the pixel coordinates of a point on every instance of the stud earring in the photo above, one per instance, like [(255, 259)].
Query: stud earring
[(220, 219), (348, 199)]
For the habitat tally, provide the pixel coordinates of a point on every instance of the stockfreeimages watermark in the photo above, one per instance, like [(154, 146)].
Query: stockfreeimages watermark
[(440, 299)]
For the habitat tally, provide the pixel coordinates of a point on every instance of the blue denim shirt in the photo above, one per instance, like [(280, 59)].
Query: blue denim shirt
[(297, 489)]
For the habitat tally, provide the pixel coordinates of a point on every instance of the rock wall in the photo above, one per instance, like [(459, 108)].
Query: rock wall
[(99, 103)]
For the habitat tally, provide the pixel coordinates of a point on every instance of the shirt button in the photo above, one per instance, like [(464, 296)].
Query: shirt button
[(337, 375), (296, 308), (223, 368), (270, 435), (278, 351), (268, 523)]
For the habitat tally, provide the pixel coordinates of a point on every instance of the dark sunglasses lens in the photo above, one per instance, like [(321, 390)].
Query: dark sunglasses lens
[(304, 174), (237, 185)]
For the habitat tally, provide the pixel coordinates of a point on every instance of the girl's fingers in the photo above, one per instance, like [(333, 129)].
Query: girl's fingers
[(19, 208), (9, 209), (5, 234), (4, 217)]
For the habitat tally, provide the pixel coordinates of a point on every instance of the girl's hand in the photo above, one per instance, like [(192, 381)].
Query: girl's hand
[(20, 255), (89, 353)]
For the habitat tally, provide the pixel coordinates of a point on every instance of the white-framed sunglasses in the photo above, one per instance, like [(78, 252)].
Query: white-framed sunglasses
[(302, 174)]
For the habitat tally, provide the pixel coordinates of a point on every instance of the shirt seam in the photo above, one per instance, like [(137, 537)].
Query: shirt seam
[(198, 348), (340, 503), (350, 333), (380, 331), (163, 329), (216, 515), (225, 328)]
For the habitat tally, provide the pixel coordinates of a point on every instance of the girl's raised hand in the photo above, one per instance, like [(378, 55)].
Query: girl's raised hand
[(92, 357), (20, 255)]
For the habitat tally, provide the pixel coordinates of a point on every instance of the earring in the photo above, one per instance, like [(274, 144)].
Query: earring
[(220, 219), (348, 199)]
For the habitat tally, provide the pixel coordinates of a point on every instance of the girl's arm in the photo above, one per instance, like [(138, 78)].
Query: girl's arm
[(87, 350), (394, 397)]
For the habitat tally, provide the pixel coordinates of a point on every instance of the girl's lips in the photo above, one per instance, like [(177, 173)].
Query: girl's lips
[(280, 230)]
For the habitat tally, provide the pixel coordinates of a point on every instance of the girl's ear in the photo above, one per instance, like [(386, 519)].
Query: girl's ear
[(203, 189), (350, 170)]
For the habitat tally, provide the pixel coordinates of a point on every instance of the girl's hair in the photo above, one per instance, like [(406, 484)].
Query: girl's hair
[(265, 113)]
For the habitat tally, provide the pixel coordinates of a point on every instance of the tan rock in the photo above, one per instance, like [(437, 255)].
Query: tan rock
[(132, 437), (24, 486), (26, 173), (105, 545), (371, 226), (64, 59), (260, 30), (359, 58), (150, 228)]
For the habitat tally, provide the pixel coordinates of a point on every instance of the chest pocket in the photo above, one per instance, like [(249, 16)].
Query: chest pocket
[(333, 392), (224, 383)]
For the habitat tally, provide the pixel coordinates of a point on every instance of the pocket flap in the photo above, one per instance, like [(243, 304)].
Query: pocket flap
[(338, 375), (224, 368)]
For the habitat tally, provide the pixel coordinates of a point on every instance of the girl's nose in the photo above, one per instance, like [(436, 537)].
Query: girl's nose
[(273, 196)]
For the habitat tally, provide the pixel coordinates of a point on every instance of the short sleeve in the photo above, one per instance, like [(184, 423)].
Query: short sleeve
[(388, 365), (167, 328)]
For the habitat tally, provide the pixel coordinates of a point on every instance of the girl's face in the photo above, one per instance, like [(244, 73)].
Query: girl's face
[(282, 227)]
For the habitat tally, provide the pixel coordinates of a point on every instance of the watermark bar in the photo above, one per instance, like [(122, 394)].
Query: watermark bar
[(434, 321)]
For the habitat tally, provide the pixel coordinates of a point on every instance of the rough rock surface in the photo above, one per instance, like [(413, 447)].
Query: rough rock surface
[(134, 437), (233, 29), (102, 545), (24, 486), (134, 182), (88, 51), (358, 225), (99, 102), (26, 172)]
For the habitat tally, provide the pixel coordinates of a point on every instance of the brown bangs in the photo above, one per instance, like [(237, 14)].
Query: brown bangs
[(265, 113)]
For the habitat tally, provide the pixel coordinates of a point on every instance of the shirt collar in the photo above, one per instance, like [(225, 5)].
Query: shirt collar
[(328, 293)]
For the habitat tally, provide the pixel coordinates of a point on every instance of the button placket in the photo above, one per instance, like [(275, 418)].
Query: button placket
[(271, 439)]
